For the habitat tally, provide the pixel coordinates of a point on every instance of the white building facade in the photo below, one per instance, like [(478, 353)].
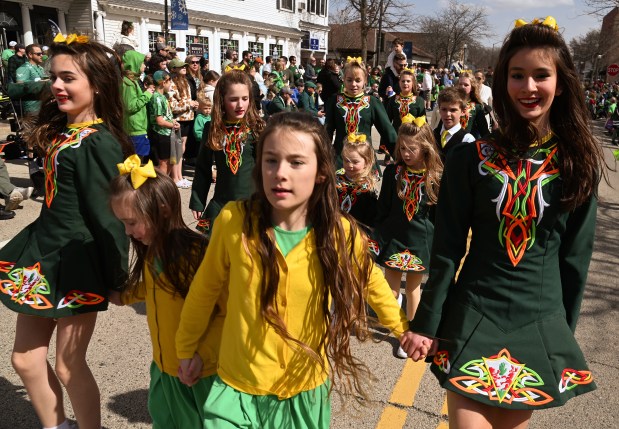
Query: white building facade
[(264, 27)]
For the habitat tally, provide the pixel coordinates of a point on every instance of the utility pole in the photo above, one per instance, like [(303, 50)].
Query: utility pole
[(165, 21), (380, 33)]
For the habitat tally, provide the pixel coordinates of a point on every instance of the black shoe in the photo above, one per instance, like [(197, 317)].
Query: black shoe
[(6, 215)]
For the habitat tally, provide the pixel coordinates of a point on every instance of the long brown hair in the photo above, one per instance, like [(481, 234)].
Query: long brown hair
[(181, 85), (423, 137), (581, 160), (176, 250), (103, 68), (475, 87), (218, 114), (345, 273)]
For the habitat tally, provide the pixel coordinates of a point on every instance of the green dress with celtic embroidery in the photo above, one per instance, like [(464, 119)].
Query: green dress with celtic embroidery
[(346, 115), (506, 325), (235, 163), (358, 200), (400, 105), (403, 230), (65, 262)]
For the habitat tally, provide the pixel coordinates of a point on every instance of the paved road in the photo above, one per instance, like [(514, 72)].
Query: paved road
[(403, 394)]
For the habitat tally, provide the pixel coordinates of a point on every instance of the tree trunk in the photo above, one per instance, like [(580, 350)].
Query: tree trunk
[(364, 30)]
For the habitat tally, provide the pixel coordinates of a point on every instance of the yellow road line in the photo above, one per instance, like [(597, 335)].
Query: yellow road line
[(444, 407), (408, 383), (392, 418)]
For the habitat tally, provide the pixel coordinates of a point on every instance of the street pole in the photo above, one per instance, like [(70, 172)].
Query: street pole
[(165, 21), (380, 32)]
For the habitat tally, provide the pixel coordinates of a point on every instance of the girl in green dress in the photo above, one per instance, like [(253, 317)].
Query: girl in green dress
[(404, 230), (473, 120), (229, 139), (352, 112), (57, 272), (502, 331)]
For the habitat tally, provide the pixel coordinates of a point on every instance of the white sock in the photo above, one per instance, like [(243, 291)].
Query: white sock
[(63, 425), (400, 299)]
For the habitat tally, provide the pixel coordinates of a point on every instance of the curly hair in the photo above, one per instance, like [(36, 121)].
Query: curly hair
[(410, 135)]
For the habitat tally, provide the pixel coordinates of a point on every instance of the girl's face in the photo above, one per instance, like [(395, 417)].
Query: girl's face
[(354, 81), (411, 153), (163, 65), (532, 84), (236, 101), (465, 84), (406, 83), (72, 89), (289, 173), (135, 226), (354, 164)]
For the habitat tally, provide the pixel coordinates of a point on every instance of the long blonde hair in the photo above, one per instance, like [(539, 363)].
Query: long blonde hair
[(365, 151), (411, 134)]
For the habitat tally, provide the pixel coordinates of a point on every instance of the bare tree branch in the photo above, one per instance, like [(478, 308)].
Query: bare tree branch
[(395, 14)]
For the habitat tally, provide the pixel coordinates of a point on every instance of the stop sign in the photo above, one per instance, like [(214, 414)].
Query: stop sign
[(612, 70)]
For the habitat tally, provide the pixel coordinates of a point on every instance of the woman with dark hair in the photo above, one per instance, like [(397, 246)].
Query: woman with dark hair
[(502, 330), (156, 63), (329, 77), (58, 272)]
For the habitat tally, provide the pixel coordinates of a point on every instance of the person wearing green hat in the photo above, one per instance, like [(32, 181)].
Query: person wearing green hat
[(307, 101)]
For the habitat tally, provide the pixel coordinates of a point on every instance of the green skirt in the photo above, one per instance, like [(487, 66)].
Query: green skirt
[(174, 405), (227, 408)]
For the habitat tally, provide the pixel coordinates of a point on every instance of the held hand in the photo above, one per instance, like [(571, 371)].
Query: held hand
[(177, 125), (190, 370), (418, 346), (196, 214)]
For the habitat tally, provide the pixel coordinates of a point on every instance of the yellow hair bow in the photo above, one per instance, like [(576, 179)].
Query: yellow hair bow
[(353, 59), (410, 119), (549, 21), (406, 69), (139, 174), (357, 138), (60, 38), (230, 68)]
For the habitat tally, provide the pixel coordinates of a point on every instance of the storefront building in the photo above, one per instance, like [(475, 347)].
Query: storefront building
[(264, 27)]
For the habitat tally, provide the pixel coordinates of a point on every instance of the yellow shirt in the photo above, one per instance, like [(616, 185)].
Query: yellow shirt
[(163, 312), (253, 358)]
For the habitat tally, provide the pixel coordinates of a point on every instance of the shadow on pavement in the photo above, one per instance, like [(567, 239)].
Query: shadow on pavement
[(18, 411), (132, 406)]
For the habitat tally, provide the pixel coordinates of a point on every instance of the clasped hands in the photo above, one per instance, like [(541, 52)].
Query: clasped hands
[(418, 346)]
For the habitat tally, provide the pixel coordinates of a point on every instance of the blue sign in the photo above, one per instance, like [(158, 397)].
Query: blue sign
[(314, 44), (180, 18)]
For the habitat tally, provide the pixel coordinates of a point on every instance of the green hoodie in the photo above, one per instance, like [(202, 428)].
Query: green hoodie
[(134, 99)]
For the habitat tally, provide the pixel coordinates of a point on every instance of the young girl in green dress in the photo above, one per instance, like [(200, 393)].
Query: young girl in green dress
[(296, 274), (167, 256), (229, 138), (356, 182), (502, 332), (57, 272), (353, 112), (473, 120), (403, 233)]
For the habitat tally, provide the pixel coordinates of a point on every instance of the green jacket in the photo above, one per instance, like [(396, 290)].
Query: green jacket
[(307, 103), (134, 99)]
